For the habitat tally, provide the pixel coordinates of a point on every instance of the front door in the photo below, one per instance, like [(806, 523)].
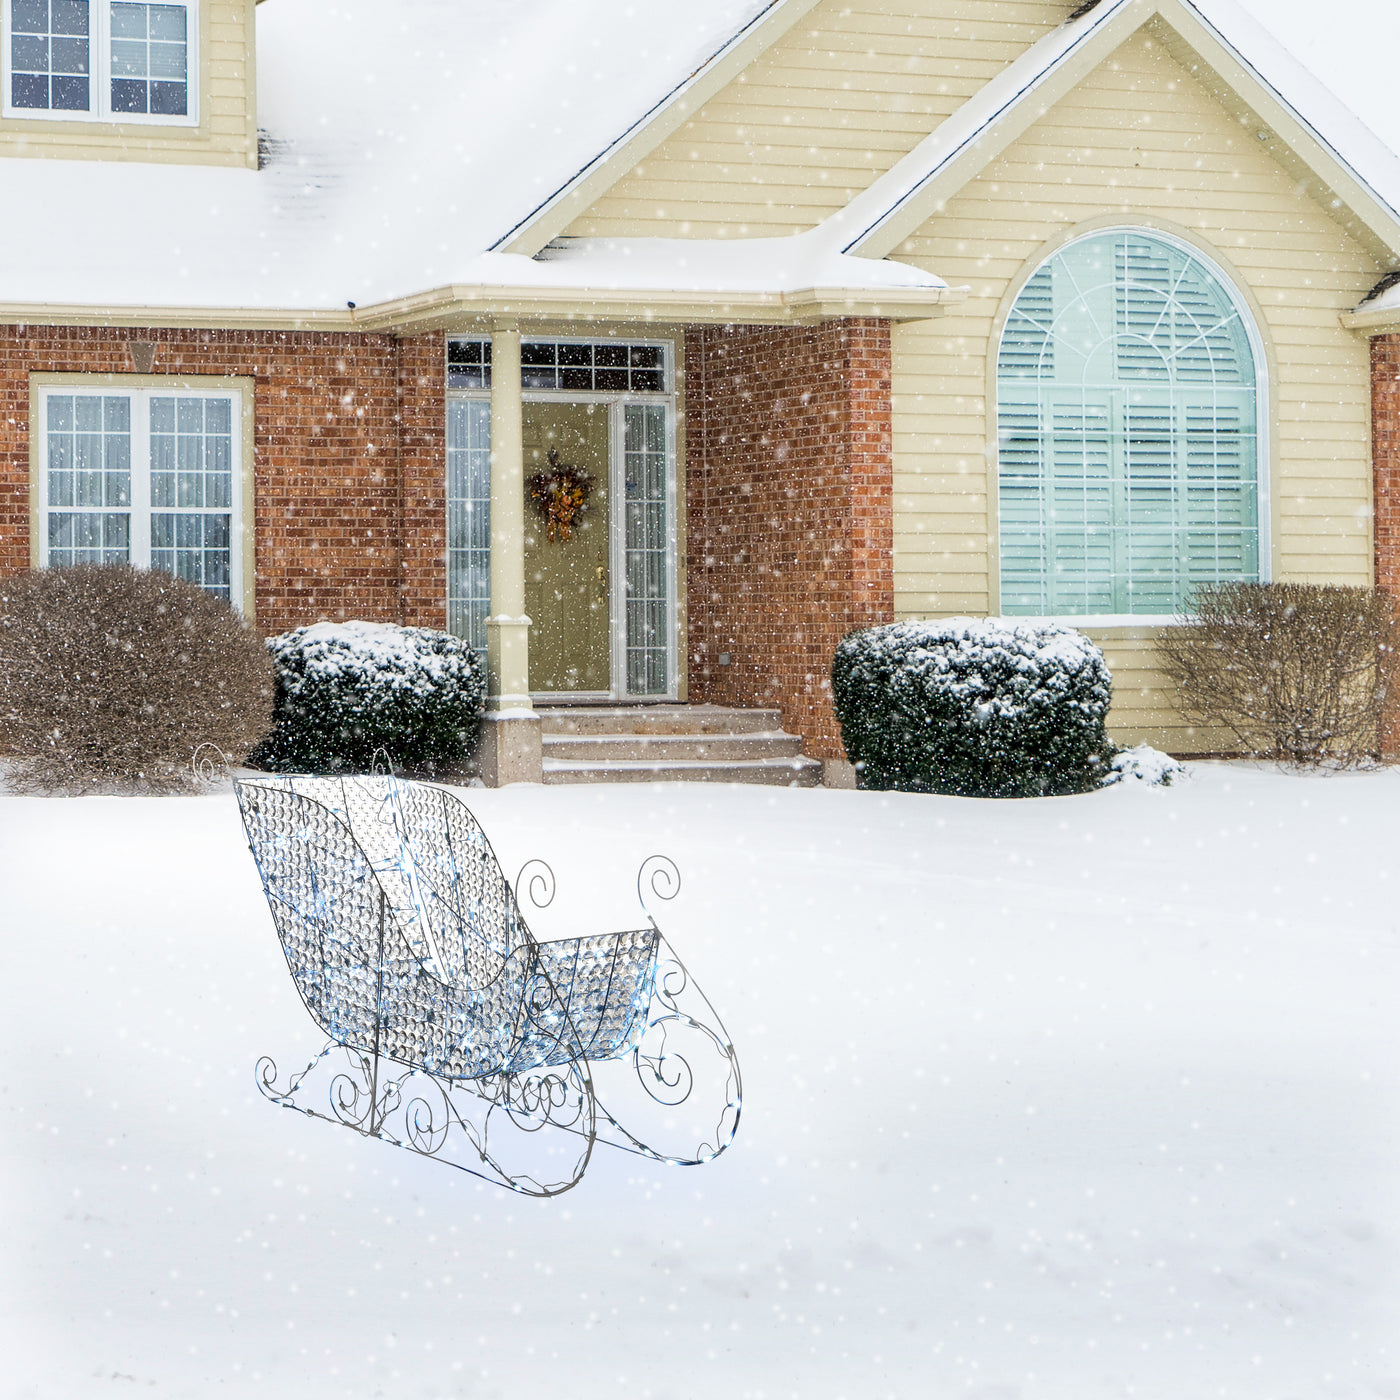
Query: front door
[(568, 578)]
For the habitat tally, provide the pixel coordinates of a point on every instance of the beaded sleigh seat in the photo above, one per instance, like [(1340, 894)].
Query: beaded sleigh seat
[(453, 1031)]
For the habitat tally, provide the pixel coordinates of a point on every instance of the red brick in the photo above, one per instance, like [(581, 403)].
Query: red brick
[(350, 509), (790, 516)]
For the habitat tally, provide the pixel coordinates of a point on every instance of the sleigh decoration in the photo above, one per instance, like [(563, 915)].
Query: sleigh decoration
[(453, 1032)]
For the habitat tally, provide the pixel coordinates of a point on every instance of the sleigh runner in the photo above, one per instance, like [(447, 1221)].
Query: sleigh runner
[(453, 1032)]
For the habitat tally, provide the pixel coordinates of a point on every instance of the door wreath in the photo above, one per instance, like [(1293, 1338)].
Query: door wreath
[(560, 495)]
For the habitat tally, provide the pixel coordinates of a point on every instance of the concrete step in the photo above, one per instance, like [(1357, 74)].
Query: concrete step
[(669, 748), (655, 719), (773, 772)]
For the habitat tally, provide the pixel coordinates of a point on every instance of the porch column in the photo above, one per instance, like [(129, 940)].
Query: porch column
[(510, 735)]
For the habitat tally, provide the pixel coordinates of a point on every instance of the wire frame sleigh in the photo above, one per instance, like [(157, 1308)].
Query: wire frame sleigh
[(453, 1032)]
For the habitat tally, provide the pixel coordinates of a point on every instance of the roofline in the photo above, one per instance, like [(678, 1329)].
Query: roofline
[(1105, 28), (1028, 76), (465, 306), (550, 218), (1383, 321)]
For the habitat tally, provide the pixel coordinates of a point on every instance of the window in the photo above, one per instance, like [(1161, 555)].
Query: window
[(1128, 432), (150, 477), (606, 367), (646, 548), (469, 518), (104, 60)]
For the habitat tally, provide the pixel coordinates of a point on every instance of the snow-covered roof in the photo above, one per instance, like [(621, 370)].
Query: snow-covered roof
[(406, 142)]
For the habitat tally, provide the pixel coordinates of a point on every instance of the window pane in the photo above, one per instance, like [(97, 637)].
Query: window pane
[(149, 59), (128, 95), (128, 59), (71, 17), (29, 53), (469, 519), (469, 364), (70, 55), (1127, 421), (129, 21), (29, 17), (29, 91), (49, 55), (168, 23), (644, 473)]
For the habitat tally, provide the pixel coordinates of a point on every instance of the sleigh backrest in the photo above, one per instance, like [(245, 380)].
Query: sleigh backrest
[(460, 893), (348, 957), (444, 886), (358, 971)]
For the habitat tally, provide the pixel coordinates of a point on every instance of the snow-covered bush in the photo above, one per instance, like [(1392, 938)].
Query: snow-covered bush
[(978, 708), (349, 691), (1143, 764), (112, 677)]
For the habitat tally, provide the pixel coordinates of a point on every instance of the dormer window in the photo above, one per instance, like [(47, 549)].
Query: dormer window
[(100, 60)]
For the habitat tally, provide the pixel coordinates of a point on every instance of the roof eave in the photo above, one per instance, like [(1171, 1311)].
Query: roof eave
[(1382, 321), (467, 307)]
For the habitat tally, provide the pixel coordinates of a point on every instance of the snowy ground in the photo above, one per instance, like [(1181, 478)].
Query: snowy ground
[(1077, 1098)]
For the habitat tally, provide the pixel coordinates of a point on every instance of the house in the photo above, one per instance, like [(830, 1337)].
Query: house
[(852, 310)]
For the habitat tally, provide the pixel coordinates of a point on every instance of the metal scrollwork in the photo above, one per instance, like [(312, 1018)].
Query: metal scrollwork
[(658, 879), (536, 879), (454, 1033), (209, 764)]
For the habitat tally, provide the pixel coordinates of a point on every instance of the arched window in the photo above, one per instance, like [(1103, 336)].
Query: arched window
[(1128, 431)]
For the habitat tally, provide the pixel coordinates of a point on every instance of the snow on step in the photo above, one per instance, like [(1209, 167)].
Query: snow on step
[(780, 772), (672, 743)]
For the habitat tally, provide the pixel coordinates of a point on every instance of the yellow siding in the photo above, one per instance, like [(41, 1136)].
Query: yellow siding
[(1138, 141), (833, 104), (227, 130)]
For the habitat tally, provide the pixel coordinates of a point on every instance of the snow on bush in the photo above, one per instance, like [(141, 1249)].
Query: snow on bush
[(347, 691), (113, 677), (990, 707), (1145, 765)]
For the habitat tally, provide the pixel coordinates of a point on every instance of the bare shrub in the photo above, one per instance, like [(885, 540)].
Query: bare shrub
[(1296, 672), (112, 677)]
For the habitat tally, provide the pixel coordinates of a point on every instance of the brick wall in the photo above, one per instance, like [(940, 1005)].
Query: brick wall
[(789, 495), (335, 416)]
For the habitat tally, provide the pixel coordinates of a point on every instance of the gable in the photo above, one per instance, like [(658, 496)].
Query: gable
[(1139, 141), (834, 103)]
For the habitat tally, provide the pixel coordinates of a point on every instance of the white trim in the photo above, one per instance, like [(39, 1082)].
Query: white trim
[(100, 72)]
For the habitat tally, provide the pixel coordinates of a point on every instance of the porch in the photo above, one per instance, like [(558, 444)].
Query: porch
[(734, 522)]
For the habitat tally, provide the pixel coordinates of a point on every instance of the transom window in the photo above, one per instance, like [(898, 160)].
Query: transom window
[(1128, 430), (603, 367), (110, 60), (146, 477)]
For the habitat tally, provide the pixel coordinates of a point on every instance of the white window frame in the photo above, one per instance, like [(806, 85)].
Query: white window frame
[(141, 389), (100, 73), (1263, 387)]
